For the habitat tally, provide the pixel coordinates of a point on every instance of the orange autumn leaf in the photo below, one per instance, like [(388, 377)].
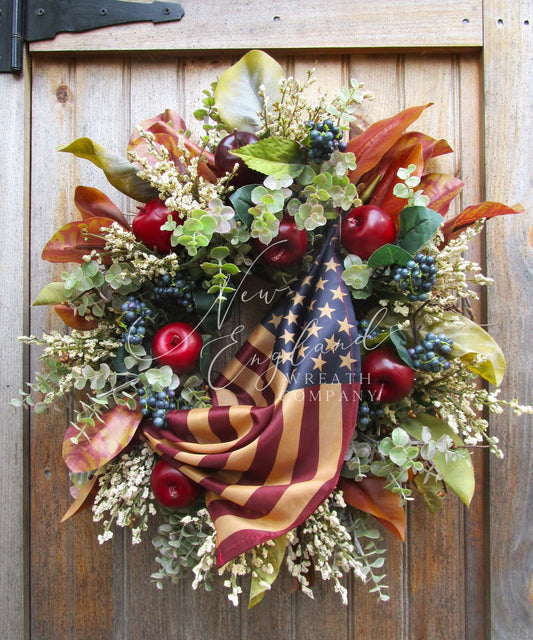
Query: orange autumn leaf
[(75, 240), (441, 189), (73, 319), (370, 146), (102, 441), (452, 228), (93, 203), (371, 496), (84, 499)]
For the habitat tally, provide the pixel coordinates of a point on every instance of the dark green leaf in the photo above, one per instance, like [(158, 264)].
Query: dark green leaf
[(389, 254), (417, 226), (241, 201), (211, 314), (399, 340), (205, 357)]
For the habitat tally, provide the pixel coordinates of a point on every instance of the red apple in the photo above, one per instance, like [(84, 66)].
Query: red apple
[(148, 222), (225, 160), (171, 487), (365, 229), (385, 376), (177, 345), (286, 249)]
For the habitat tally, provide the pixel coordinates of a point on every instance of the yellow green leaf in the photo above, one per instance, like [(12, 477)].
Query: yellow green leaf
[(469, 341), (237, 95), (261, 580), (457, 473), (51, 294), (432, 491), (120, 173)]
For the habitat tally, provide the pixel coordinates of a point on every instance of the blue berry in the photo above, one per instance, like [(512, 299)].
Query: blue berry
[(175, 291), (323, 139), (417, 277), (430, 354)]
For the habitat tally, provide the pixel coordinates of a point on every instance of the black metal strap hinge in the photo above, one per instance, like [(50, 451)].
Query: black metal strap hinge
[(31, 20)]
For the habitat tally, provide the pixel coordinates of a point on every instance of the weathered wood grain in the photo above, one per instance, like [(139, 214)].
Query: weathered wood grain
[(508, 58), (14, 112), (283, 24)]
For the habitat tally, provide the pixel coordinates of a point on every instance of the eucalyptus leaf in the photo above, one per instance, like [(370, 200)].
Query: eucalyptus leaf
[(119, 172), (389, 254), (274, 157), (458, 474), (469, 341), (237, 96), (417, 226), (52, 293)]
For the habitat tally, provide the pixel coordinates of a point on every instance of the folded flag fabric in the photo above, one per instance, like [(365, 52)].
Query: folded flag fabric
[(270, 449)]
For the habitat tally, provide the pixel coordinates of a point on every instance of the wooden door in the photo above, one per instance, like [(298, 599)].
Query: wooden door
[(464, 573)]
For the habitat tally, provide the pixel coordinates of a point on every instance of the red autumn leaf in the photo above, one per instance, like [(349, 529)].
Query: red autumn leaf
[(453, 227), (84, 499), (383, 195), (92, 203), (75, 240), (441, 189), (73, 319), (371, 145), (431, 147), (371, 496), (101, 442)]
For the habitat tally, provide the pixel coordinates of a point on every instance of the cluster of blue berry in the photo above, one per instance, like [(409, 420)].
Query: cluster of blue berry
[(178, 291), (365, 330), (157, 405), (324, 138), (417, 277), (133, 320), (367, 412), (430, 354)]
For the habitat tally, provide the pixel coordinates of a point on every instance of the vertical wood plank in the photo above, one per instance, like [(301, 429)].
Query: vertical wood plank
[(508, 59), (369, 618), (14, 185), (435, 543), (64, 570), (469, 168)]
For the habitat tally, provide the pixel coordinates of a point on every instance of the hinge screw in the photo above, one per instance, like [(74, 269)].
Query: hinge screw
[(40, 12), (166, 11), (103, 11)]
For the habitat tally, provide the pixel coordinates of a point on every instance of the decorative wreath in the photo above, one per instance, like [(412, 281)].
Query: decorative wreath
[(357, 389)]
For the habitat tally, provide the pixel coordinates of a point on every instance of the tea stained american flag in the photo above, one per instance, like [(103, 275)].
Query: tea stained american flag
[(270, 449)]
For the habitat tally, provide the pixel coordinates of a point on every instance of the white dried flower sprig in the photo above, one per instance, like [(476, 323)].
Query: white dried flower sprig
[(181, 192), (124, 495), (326, 543), (125, 248)]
